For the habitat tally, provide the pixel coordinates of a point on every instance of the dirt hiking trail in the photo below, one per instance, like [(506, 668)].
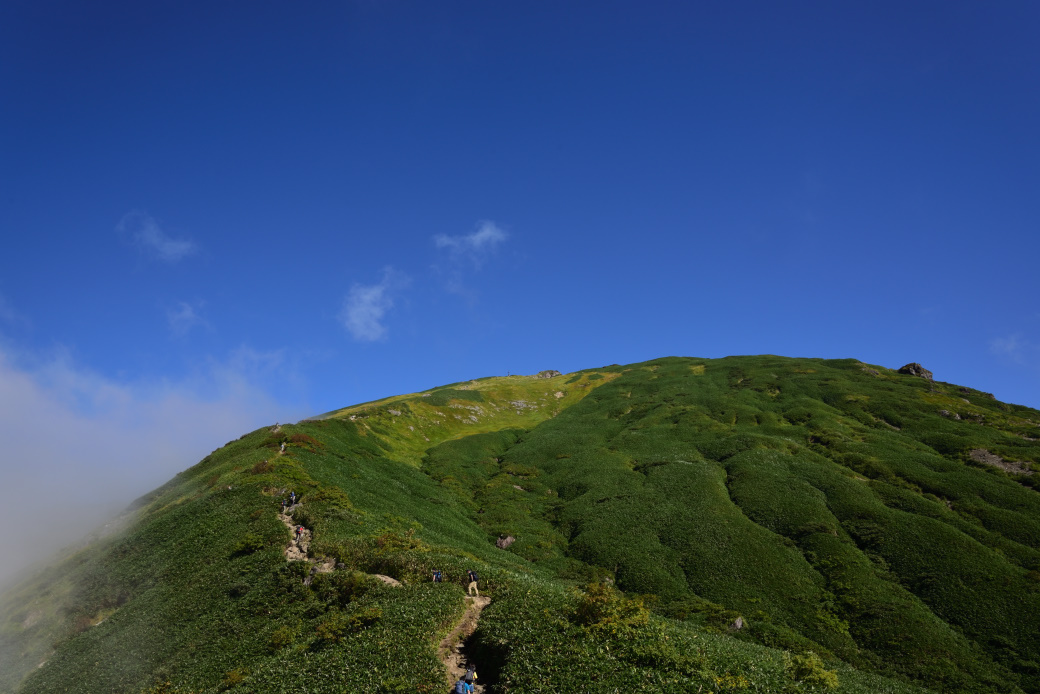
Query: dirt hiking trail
[(299, 547), (452, 650)]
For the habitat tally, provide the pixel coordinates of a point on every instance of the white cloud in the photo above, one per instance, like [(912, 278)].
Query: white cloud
[(476, 246), (366, 306), (1012, 346), (79, 446), (152, 241), (183, 318)]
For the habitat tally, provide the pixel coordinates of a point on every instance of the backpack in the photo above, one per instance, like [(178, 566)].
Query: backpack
[(460, 687), (473, 576)]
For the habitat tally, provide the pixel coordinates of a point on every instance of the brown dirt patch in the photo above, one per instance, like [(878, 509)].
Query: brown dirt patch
[(452, 649), (981, 455)]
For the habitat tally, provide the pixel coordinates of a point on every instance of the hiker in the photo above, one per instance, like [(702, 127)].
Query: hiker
[(283, 447), (299, 532), (436, 576), (283, 505), (462, 688), (471, 674), (292, 497), (473, 578)]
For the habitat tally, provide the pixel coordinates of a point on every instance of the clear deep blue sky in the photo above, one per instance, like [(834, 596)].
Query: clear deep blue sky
[(220, 215)]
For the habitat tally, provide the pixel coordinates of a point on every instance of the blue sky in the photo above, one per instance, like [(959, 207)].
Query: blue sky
[(221, 215)]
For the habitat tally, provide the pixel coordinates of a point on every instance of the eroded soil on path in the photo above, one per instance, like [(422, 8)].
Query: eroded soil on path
[(452, 650), (299, 548)]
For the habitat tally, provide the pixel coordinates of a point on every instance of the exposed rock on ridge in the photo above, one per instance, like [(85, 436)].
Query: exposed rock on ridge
[(915, 369)]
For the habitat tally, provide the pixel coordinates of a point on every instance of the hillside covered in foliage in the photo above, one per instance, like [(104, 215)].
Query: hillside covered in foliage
[(747, 524)]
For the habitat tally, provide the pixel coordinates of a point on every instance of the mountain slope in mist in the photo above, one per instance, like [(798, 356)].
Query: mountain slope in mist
[(742, 524)]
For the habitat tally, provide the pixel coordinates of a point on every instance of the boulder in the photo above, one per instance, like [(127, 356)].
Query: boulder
[(551, 373), (915, 369), (737, 624), (504, 541)]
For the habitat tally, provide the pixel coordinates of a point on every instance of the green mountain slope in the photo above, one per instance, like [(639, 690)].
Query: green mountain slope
[(756, 524)]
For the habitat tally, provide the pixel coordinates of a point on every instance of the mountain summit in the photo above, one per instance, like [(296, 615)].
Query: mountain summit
[(758, 524)]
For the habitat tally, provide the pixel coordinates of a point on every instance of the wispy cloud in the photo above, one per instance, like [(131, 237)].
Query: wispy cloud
[(82, 445), (366, 306), (183, 317), (1018, 349), (152, 241), (1011, 346), (475, 247)]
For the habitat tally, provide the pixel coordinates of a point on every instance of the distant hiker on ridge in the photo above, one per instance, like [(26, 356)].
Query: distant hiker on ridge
[(436, 576), (473, 578)]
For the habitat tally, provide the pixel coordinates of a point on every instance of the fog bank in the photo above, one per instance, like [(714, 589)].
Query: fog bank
[(78, 447)]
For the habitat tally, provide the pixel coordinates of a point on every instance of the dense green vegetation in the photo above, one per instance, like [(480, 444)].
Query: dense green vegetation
[(867, 531)]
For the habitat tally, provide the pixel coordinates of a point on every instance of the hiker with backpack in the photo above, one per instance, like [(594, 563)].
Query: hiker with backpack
[(436, 576), (471, 674), (462, 687), (299, 532), (473, 578)]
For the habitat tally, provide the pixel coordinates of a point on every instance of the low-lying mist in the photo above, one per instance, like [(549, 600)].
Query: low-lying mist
[(78, 448)]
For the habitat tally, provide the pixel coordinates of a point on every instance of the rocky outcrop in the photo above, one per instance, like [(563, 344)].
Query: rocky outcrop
[(504, 541), (548, 374), (915, 369), (981, 455)]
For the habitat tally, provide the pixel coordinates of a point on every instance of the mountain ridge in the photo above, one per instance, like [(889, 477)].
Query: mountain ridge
[(835, 508)]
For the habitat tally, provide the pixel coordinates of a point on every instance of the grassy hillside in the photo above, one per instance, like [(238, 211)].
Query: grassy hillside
[(867, 531)]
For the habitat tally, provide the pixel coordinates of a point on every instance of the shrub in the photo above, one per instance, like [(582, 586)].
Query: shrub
[(809, 669), (250, 542), (336, 625), (282, 637), (262, 467), (341, 587), (602, 607), (332, 628), (234, 677), (306, 441), (396, 542), (364, 618)]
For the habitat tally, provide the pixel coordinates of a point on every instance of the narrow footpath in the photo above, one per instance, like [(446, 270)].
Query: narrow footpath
[(452, 650), (299, 548)]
